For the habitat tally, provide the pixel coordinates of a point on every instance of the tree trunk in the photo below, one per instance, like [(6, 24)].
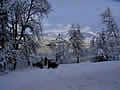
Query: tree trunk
[(28, 61), (22, 32), (15, 36), (78, 59)]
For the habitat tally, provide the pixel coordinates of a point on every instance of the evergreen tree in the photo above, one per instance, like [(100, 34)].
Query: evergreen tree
[(108, 41)]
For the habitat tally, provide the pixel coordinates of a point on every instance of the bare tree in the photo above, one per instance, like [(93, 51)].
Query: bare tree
[(36, 9), (27, 14)]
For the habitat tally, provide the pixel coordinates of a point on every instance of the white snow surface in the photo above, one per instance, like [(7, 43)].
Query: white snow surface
[(86, 76)]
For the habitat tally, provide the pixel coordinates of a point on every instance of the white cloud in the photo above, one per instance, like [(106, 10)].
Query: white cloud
[(56, 27)]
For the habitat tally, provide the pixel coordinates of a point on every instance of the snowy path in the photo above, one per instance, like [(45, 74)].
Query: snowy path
[(101, 76)]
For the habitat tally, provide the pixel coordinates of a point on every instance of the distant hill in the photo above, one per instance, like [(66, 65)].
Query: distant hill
[(65, 34)]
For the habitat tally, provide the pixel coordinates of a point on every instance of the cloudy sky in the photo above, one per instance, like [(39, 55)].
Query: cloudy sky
[(84, 12)]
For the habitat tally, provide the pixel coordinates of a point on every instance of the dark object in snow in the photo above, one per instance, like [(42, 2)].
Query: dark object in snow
[(38, 64), (49, 63), (12, 62), (46, 61), (2, 65), (101, 58), (52, 64), (14, 67)]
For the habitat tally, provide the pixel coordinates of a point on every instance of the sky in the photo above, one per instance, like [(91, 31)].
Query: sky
[(86, 13)]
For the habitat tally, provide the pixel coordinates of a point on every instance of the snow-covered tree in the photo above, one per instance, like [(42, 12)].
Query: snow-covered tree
[(3, 24), (16, 16), (60, 46), (77, 41), (25, 14), (30, 47), (108, 40)]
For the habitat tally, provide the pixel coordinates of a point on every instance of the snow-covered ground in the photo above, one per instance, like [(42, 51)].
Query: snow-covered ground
[(88, 76)]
